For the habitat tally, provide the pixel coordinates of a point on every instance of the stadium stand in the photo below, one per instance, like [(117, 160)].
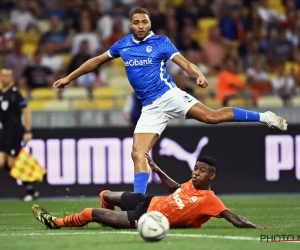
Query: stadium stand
[(255, 39)]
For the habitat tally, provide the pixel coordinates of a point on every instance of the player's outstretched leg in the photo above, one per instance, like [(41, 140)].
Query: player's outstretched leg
[(142, 142), (204, 114), (44, 217), (110, 199), (103, 216)]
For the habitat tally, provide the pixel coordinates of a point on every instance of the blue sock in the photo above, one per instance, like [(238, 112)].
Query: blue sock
[(141, 182), (242, 115)]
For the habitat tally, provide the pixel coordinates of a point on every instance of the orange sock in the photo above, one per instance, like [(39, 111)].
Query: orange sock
[(75, 220), (103, 203)]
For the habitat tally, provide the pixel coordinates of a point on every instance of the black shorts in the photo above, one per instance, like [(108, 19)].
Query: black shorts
[(10, 142), (136, 205)]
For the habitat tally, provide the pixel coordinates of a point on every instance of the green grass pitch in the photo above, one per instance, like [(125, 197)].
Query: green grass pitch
[(19, 230)]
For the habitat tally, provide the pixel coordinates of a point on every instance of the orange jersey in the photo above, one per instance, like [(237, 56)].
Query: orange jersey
[(187, 206), (225, 80)]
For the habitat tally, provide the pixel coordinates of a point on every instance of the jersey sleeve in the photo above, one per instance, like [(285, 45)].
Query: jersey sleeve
[(20, 100), (113, 51), (168, 48), (212, 206)]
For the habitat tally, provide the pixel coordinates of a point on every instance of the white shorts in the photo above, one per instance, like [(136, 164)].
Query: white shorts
[(174, 104)]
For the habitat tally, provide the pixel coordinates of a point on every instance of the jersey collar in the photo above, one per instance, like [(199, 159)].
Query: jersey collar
[(150, 34)]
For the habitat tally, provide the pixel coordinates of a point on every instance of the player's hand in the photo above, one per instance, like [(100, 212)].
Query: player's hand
[(26, 138), (260, 227), (202, 82), (151, 163), (61, 83)]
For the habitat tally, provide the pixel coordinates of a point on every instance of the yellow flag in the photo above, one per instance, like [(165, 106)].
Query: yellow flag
[(27, 168)]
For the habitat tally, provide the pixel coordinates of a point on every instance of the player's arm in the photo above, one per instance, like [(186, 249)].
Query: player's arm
[(191, 69), (168, 183), (27, 125), (85, 68), (239, 221)]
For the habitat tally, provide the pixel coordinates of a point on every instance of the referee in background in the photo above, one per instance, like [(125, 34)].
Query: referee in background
[(14, 135)]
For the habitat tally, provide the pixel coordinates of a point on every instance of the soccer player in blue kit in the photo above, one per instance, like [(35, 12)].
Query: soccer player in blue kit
[(145, 56)]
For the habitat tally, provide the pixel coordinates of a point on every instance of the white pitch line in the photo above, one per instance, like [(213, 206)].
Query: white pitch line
[(136, 233)]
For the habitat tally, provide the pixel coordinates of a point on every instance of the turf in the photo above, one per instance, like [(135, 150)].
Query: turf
[(20, 230)]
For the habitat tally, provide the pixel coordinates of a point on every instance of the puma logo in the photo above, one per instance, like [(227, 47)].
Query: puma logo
[(169, 147)]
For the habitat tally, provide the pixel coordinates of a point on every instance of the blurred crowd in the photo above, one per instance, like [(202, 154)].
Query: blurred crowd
[(251, 47)]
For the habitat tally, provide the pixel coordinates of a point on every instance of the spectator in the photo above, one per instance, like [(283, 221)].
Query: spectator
[(257, 79), (201, 63), (255, 23), (266, 14), (85, 15), (49, 7), (6, 39), (21, 19), (51, 60), (171, 26), (81, 57), (234, 54), (186, 40), (234, 26), (269, 18), (106, 6), (292, 28), (116, 35), (94, 10), (253, 54), (88, 35), (245, 46), (206, 9), (229, 84), (187, 13), (73, 8), (215, 49), (106, 23), (36, 75), (35, 8), (5, 9), (91, 80), (56, 36), (224, 7), (158, 20), (17, 61), (281, 50), (283, 85)]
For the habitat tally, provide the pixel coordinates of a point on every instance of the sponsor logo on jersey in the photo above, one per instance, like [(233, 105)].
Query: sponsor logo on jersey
[(135, 62), (149, 49), (4, 105), (177, 199), (194, 199)]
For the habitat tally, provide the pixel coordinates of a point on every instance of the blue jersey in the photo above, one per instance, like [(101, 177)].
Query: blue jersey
[(145, 63)]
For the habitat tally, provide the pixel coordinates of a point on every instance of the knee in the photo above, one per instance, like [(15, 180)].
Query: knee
[(137, 155), (106, 196)]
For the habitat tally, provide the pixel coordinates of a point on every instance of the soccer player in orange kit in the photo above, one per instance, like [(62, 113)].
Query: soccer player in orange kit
[(190, 204)]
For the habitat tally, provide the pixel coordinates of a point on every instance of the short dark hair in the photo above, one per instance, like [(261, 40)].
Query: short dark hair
[(139, 10), (209, 161), (6, 68)]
